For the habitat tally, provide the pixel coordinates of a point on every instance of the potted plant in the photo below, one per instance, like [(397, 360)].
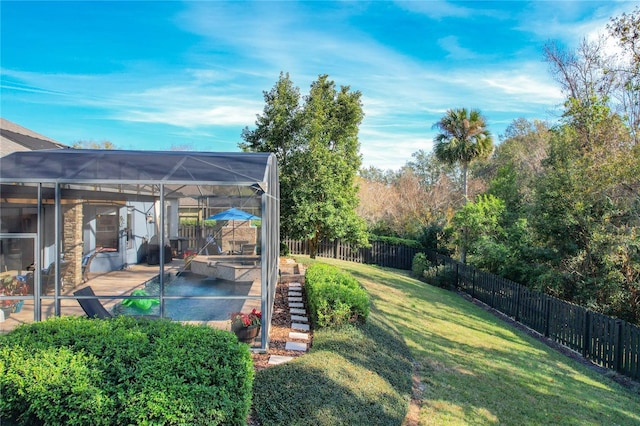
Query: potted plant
[(246, 326), (12, 286)]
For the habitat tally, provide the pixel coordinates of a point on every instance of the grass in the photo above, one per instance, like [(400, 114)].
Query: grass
[(472, 367), (350, 376)]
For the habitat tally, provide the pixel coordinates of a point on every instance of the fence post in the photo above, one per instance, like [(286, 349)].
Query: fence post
[(473, 283), (547, 314), (617, 354), (493, 292), (517, 313), (586, 347)]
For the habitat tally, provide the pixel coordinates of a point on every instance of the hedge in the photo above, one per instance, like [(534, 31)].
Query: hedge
[(335, 298), (78, 371)]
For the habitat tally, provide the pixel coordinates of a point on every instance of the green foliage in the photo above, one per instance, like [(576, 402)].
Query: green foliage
[(52, 386), (352, 375), (475, 222), (123, 371), (197, 222), (318, 155), (284, 249), (335, 298), (463, 138), (436, 238), (437, 275), (419, 264), (395, 240)]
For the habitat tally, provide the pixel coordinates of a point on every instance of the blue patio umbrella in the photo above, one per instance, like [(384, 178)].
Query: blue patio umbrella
[(233, 214)]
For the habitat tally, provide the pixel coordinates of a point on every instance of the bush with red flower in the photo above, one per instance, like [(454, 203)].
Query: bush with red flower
[(243, 320)]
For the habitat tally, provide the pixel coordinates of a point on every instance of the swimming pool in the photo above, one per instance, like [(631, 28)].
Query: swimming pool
[(193, 298)]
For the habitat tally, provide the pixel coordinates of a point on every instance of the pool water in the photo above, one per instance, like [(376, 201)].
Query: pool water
[(193, 309)]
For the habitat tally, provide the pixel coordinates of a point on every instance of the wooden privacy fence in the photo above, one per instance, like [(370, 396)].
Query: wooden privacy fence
[(380, 253), (193, 235), (609, 342)]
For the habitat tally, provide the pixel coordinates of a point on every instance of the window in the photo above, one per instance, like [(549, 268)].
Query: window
[(107, 227), (128, 229)]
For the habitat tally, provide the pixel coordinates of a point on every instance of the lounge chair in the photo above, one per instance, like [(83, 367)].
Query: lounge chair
[(92, 307)]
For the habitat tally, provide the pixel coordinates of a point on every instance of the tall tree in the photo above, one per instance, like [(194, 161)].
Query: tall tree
[(463, 138), (318, 151), (626, 30), (279, 128)]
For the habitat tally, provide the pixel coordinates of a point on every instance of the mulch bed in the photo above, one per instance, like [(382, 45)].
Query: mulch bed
[(280, 328)]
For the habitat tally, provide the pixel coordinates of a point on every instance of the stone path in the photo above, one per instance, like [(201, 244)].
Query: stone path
[(299, 335)]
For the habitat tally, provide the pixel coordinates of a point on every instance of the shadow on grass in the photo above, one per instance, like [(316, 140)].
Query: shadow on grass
[(355, 375)]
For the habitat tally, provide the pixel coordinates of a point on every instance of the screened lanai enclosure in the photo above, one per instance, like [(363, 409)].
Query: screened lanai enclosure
[(109, 221)]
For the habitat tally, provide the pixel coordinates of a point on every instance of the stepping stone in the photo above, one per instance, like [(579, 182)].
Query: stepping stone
[(294, 294), (298, 311), (279, 359), (295, 299), (298, 326), (299, 318), (299, 336), (296, 305), (296, 346)]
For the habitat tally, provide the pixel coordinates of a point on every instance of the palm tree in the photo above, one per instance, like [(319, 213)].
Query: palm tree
[(463, 138)]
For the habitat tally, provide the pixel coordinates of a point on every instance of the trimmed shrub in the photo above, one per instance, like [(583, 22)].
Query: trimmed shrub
[(440, 276), (335, 298), (125, 370), (419, 265), (424, 270)]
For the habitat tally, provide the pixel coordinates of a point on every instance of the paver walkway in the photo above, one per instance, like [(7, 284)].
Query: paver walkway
[(299, 325)]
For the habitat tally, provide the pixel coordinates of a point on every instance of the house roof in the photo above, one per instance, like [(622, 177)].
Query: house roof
[(15, 138)]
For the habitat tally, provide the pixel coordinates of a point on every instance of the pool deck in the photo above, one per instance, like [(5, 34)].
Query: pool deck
[(114, 283)]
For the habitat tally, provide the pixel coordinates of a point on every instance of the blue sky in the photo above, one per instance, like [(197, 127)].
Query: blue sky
[(166, 75)]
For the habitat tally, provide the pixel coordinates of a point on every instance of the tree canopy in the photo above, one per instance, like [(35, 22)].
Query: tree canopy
[(316, 142), (556, 208), (463, 138)]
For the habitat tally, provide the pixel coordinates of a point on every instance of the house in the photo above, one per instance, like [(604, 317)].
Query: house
[(100, 231), (15, 138), (105, 227)]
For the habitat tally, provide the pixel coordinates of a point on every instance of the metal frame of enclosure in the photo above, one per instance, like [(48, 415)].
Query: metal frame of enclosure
[(58, 206)]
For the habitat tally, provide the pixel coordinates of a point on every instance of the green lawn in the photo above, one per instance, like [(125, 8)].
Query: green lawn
[(473, 368)]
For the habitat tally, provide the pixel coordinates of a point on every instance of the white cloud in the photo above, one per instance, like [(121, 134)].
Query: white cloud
[(390, 150), (454, 51), (437, 9)]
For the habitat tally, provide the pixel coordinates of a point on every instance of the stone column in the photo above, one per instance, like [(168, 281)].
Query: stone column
[(72, 241)]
